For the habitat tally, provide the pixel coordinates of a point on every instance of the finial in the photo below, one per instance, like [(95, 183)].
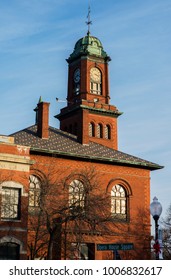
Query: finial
[(88, 22), (40, 100)]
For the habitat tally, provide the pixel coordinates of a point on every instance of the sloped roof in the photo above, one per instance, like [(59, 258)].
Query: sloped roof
[(65, 144)]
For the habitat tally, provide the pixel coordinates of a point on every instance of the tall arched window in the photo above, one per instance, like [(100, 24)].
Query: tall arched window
[(118, 202), (34, 192), (91, 129), (107, 131), (76, 194), (99, 130)]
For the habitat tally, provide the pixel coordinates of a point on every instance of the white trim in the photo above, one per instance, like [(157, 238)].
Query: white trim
[(13, 184)]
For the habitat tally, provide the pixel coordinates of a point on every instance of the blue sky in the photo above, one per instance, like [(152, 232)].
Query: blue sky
[(36, 36)]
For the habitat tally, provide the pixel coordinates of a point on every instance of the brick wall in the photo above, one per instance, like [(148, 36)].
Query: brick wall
[(15, 165), (137, 183)]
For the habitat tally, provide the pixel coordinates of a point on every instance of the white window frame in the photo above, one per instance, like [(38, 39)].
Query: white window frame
[(16, 187)]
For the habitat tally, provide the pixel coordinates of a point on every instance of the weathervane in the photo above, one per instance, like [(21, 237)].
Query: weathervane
[(88, 22)]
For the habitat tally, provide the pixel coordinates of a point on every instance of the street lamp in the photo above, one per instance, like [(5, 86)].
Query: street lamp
[(156, 210)]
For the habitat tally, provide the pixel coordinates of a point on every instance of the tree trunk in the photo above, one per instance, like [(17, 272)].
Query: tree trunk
[(50, 246)]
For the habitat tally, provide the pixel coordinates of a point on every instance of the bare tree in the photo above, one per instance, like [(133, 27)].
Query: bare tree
[(142, 250), (69, 209), (74, 208), (166, 242)]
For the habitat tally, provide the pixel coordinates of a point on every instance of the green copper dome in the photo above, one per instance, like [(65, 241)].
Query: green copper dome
[(88, 45)]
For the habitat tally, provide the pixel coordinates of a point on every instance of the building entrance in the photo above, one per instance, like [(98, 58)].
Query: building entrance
[(9, 251)]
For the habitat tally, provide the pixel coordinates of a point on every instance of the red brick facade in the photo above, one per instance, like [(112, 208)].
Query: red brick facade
[(137, 185), (46, 160), (132, 179), (15, 169)]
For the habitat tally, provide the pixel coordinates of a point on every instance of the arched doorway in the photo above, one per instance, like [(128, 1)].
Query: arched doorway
[(9, 251)]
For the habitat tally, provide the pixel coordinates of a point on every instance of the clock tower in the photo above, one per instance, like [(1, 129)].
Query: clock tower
[(88, 113)]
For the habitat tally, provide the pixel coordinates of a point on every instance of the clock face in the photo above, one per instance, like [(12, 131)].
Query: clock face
[(77, 75), (95, 74)]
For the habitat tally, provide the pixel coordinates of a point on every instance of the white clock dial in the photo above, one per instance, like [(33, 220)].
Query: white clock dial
[(95, 74)]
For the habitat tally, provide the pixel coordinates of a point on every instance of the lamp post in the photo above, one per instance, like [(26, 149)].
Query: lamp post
[(156, 210)]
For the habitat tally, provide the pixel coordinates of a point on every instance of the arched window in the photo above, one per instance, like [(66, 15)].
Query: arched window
[(99, 130), (107, 132), (118, 202), (9, 251), (76, 194), (34, 192), (91, 129)]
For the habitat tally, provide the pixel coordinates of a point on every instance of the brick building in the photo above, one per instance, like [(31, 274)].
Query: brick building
[(48, 175), (15, 165)]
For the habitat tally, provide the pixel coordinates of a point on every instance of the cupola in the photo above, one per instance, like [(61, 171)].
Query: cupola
[(88, 45)]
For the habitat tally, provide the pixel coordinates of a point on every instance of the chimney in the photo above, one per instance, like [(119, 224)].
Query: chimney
[(43, 119)]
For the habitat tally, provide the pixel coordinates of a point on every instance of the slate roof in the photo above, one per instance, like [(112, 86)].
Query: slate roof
[(65, 144)]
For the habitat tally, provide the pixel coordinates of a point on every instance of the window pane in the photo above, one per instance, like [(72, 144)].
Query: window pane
[(101, 131), (117, 193), (91, 129), (117, 206), (107, 132), (10, 203), (31, 198), (95, 88), (76, 193), (123, 206), (113, 207), (118, 201), (34, 191), (98, 131)]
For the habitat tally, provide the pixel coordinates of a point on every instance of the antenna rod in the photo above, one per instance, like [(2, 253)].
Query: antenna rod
[(88, 22)]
